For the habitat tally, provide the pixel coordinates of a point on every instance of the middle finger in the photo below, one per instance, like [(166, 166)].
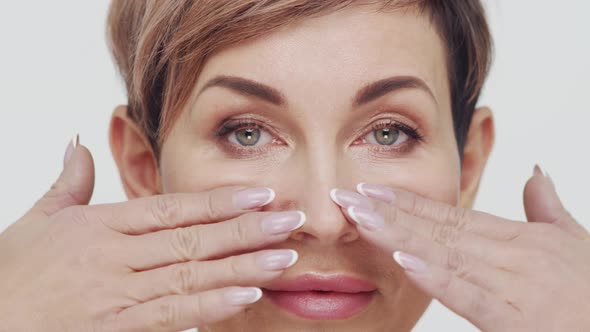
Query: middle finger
[(203, 242)]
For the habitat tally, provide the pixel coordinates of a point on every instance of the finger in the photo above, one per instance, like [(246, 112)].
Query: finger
[(74, 185), (190, 277), (389, 226), (478, 260), (542, 204), (181, 312), (479, 306), (467, 220), (169, 211), (202, 242)]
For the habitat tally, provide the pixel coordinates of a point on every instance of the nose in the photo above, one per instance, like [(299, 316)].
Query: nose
[(311, 184)]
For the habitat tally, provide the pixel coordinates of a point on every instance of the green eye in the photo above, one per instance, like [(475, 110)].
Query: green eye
[(248, 136), (386, 136)]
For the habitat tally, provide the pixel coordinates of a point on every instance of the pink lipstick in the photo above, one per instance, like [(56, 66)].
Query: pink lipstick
[(313, 296)]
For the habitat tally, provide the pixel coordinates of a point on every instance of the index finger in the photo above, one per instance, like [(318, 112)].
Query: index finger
[(458, 218), (168, 211)]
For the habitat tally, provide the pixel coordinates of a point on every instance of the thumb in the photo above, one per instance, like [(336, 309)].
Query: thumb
[(542, 204), (75, 183)]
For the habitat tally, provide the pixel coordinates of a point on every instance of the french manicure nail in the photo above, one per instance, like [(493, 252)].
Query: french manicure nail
[(252, 198), (346, 198), (376, 191), (366, 218), (282, 222), (410, 263), (538, 171), (242, 295), (70, 149), (277, 259)]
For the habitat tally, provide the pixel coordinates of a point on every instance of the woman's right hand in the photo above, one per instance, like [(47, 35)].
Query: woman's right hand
[(165, 263)]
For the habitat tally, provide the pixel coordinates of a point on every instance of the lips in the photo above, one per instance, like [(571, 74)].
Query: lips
[(313, 296)]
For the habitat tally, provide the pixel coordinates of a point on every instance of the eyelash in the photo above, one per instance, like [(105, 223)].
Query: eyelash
[(230, 126)]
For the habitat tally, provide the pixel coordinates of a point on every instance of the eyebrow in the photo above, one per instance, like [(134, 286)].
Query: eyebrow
[(366, 94)]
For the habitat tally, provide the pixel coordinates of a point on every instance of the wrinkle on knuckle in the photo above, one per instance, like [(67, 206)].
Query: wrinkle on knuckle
[(234, 266), (240, 232), (458, 217), (186, 244), (417, 205), (186, 278), (456, 262), (167, 315), (166, 210), (214, 210), (445, 234)]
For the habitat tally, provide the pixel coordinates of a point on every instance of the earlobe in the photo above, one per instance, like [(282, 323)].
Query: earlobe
[(479, 143), (134, 156)]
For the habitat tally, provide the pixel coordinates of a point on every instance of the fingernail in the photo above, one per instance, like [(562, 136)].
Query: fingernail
[(538, 171), (410, 263), (242, 295), (70, 149), (366, 218), (252, 198), (346, 198), (277, 259), (376, 191), (282, 222)]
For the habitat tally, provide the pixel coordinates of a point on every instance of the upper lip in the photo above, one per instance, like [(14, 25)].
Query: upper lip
[(327, 283)]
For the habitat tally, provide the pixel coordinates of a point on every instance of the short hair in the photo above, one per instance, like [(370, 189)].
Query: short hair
[(160, 47)]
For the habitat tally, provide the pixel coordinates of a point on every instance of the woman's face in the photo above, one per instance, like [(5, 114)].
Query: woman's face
[(353, 96)]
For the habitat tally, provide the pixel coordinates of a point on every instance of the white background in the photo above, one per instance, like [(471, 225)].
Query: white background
[(57, 79)]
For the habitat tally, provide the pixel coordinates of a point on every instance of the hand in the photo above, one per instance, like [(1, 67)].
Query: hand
[(160, 263), (499, 274)]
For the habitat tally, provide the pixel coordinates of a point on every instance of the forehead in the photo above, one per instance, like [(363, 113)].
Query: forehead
[(339, 52)]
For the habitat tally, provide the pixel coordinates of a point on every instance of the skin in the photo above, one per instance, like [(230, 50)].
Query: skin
[(317, 128), (168, 262)]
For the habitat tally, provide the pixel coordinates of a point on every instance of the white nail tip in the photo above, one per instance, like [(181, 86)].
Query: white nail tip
[(302, 219), (258, 294), (333, 196), (352, 214), (294, 258), (397, 258), (271, 198), (359, 188)]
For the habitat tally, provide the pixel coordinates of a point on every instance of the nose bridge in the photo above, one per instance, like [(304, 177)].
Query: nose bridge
[(320, 173)]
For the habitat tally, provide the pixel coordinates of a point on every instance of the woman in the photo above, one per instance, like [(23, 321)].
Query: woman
[(316, 143)]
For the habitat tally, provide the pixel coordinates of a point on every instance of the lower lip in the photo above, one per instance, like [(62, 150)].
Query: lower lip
[(321, 305)]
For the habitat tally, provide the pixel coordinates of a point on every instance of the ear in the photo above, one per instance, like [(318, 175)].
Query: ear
[(134, 156), (479, 143)]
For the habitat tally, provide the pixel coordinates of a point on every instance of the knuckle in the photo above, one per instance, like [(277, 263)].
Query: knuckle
[(167, 315), (213, 207), (456, 262), (240, 232), (445, 234), (234, 266), (457, 217), (417, 205), (186, 278), (166, 210), (186, 243)]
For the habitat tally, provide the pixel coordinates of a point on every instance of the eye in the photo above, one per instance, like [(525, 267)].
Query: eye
[(245, 134), (389, 135)]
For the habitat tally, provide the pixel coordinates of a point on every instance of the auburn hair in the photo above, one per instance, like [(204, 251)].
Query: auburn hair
[(160, 47)]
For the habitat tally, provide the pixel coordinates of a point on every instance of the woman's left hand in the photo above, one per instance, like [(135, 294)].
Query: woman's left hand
[(499, 274)]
